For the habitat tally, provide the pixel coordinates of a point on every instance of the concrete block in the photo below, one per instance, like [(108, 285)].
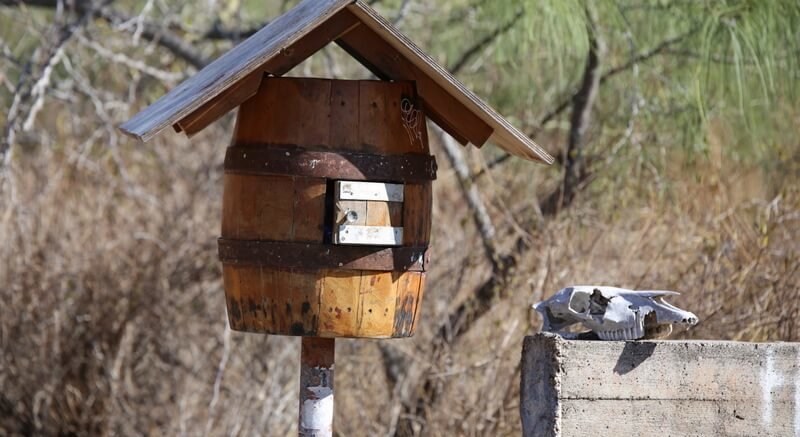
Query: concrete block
[(659, 388)]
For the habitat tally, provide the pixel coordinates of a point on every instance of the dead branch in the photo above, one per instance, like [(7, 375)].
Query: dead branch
[(476, 305), (663, 47), (149, 31), (485, 42), (158, 35), (575, 170), (476, 205), (218, 32), (401, 12), (30, 90)]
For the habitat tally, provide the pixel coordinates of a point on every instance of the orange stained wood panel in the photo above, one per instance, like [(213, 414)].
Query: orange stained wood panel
[(339, 312), (231, 282), (377, 301), (239, 284), (384, 214), (330, 303)]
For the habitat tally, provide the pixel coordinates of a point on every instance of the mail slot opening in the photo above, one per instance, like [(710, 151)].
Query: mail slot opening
[(368, 213)]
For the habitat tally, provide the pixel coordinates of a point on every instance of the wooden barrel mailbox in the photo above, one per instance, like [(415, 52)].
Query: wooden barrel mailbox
[(327, 209)]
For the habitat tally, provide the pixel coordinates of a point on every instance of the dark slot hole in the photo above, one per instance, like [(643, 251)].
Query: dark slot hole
[(330, 212)]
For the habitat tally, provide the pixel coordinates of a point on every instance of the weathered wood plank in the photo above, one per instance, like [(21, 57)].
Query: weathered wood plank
[(295, 297), (258, 207), (221, 104), (407, 303), (417, 205), (279, 35), (420, 277), (375, 191), (309, 209), (303, 123), (376, 305), (382, 126), (270, 300), (345, 104), (232, 283), (319, 37), (369, 235)]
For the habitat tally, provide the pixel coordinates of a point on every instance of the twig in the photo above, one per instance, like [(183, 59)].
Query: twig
[(661, 48), (149, 31), (575, 170), (120, 58), (484, 42), (401, 12), (158, 35), (223, 362), (472, 196), (36, 91), (217, 32), (39, 88)]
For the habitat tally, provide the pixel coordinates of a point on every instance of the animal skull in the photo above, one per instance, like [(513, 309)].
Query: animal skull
[(613, 313)]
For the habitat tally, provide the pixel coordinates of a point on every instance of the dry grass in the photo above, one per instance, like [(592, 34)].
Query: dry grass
[(112, 319)]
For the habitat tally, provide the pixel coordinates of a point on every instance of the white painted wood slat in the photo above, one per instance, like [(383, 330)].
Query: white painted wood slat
[(370, 235), (375, 191)]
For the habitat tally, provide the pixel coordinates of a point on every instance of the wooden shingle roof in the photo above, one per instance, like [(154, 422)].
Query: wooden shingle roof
[(369, 38)]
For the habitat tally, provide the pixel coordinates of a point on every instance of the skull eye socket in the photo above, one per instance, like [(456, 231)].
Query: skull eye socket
[(579, 302)]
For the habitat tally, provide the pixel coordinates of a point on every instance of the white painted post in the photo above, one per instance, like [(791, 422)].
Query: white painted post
[(316, 387)]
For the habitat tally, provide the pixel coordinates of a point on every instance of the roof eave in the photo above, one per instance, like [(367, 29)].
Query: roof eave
[(233, 78)]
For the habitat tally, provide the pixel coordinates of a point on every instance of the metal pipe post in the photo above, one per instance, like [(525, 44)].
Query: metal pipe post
[(316, 387)]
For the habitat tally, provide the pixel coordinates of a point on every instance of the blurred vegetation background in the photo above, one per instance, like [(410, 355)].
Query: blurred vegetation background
[(675, 124)]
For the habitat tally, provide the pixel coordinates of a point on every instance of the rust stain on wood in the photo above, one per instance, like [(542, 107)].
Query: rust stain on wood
[(309, 256), (275, 159)]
